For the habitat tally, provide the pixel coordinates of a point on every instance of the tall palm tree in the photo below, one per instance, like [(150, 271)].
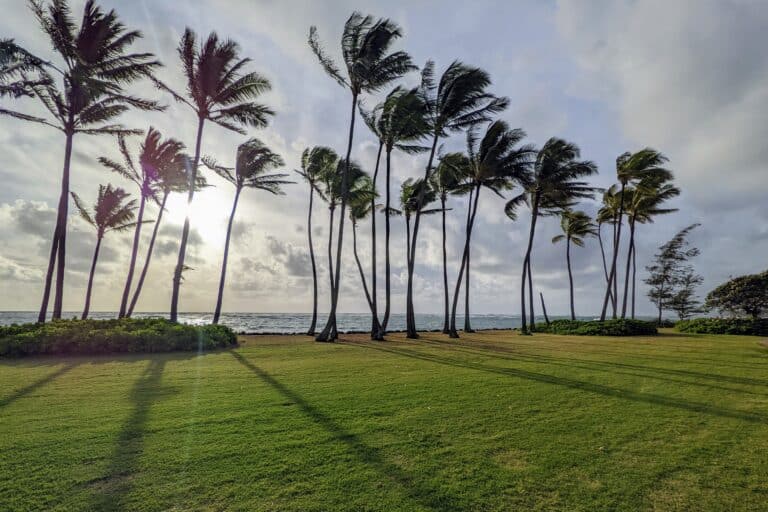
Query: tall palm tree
[(364, 45), (631, 168), (415, 196), (497, 163), (446, 180), (643, 203), (554, 186), (217, 91), (172, 177), (110, 213), (316, 163), (455, 102), (154, 154), (399, 122), (360, 198), (254, 160), (576, 227), (86, 95)]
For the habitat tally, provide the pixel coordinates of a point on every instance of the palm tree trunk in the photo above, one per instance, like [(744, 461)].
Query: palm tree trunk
[(376, 333), (464, 259), (534, 216), (602, 254), (446, 322), (626, 271), (220, 298), (41, 317), (387, 278), (570, 274), (61, 228), (544, 308), (360, 267), (634, 277), (532, 324), (151, 247), (612, 284), (411, 317), (311, 331), (332, 209), (328, 333), (612, 274), (467, 325), (185, 231), (87, 307), (134, 253)]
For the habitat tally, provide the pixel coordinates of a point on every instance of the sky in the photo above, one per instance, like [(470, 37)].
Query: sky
[(689, 78)]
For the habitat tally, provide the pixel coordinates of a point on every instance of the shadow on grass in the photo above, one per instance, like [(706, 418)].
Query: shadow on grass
[(36, 385), (111, 489), (426, 496), (590, 387)]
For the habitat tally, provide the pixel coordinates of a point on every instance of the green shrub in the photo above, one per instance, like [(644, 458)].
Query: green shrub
[(624, 327), (111, 336), (742, 326)]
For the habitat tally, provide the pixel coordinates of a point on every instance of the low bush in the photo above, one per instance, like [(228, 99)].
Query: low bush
[(624, 327), (742, 326), (111, 336)]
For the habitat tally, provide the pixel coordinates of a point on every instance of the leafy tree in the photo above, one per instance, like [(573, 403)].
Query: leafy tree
[(576, 226), (665, 271), (743, 295), (254, 160), (631, 168), (217, 91), (684, 301), (554, 186), (82, 94), (316, 163), (110, 213), (364, 45), (454, 103)]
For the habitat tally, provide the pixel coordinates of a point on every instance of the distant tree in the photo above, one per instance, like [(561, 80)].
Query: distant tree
[(254, 160), (576, 227), (684, 301), (743, 295), (667, 266), (110, 213)]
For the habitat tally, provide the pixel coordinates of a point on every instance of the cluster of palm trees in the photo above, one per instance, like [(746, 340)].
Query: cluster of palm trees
[(86, 93)]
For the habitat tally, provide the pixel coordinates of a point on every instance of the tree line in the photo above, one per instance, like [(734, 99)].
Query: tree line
[(85, 92)]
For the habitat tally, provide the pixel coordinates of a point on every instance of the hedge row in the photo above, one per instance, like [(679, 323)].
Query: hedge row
[(111, 336), (624, 327), (743, 326)]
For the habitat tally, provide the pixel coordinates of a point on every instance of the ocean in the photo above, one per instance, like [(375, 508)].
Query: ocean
[(291, 323)]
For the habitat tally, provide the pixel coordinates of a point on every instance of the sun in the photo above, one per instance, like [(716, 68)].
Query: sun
[(208, 215)]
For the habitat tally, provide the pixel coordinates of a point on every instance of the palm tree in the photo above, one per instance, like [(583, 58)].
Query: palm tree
[(88, 96), (554, 186), (608, 214), (630, 168), (398, 122), (361, 195), (110, 213), (643, 203), (219, 92), (445, 180), (316, 163), (456, 102), (172, 177), (254, 159), (16, 66), (576, 227), (415, 195), (496, 163), (364, 45), (154, 154)]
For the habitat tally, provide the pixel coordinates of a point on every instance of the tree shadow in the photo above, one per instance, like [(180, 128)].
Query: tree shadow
[(111, 489), (590, 387), (37, 384), (419, 491)]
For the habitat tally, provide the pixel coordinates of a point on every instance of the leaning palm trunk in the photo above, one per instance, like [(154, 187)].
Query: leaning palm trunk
[(151, 247), (311, 330), (446, 321), (634, 277), (376, 332), (332, 209), (612, 275), (526, 265), (134, 253), (602, 254), (87, 307), (185, 230), (329, 332), (532, 324), (464, 259), (630, 250), (360, 268), (411, 319), (570, 274), (220, 297), (387, 270), (467, 326)]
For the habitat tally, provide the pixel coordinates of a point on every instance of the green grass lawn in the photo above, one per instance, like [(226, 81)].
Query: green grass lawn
[(493, 421)]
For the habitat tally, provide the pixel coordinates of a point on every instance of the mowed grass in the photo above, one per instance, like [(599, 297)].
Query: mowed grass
[(494, 421)]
